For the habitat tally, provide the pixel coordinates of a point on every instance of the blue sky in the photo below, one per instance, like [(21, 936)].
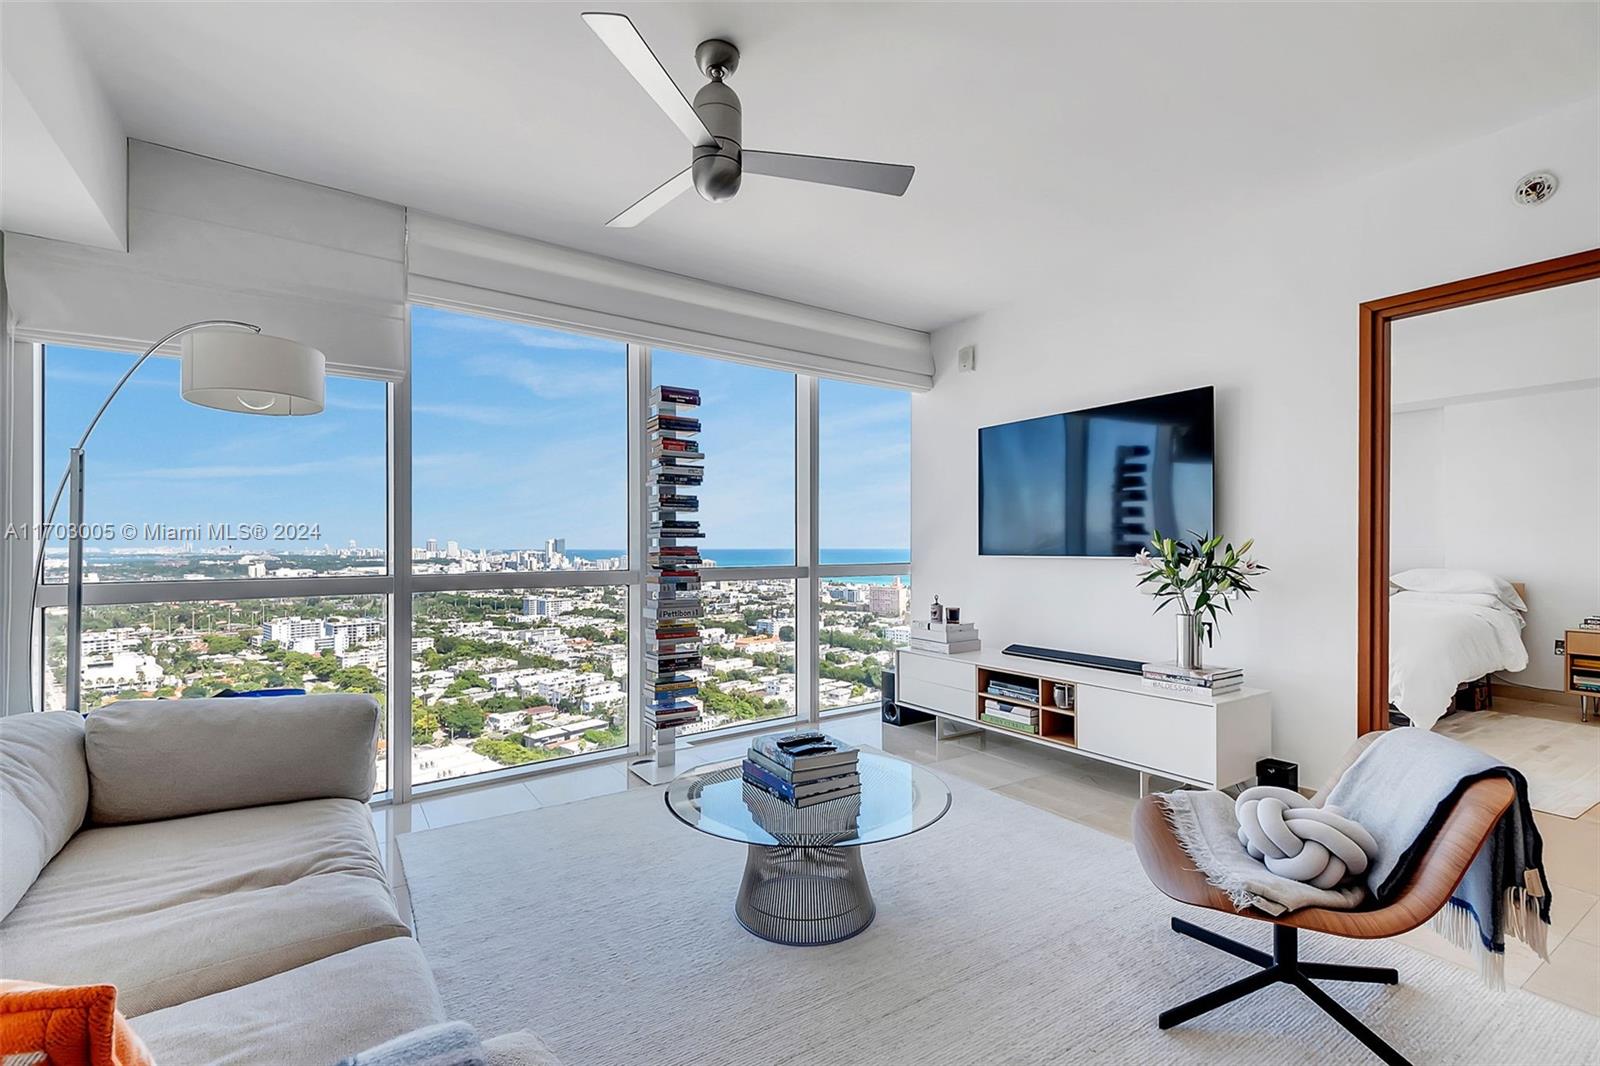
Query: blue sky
[(519, 433), (156, 459)]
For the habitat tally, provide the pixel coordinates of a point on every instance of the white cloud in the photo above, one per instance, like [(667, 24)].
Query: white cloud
[(549, 382)]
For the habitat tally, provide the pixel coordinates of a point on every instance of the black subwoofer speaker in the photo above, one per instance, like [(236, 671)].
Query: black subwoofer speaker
[(893, 713), (1278, 772)]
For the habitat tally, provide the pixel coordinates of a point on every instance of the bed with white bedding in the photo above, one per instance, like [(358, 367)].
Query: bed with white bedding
[(1447, 627)]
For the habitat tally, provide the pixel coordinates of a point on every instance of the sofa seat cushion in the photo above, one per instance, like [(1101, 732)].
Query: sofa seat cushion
[(170, 911), (316, 1014)]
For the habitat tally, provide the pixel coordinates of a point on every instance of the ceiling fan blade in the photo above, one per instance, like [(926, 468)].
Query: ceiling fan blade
[(617, 33), (655, 199), (889, 178)]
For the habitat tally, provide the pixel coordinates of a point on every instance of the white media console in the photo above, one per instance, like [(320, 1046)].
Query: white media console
[(1112, 716)]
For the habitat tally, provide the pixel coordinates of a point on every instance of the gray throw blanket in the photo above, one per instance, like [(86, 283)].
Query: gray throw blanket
[(1402, 788), (444, 1044), (1206, 825)]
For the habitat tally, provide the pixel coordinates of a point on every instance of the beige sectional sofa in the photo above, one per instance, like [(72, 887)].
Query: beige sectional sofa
[(215, 860)]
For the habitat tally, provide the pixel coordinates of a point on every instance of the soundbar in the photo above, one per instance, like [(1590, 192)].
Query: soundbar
[(1076, 658)]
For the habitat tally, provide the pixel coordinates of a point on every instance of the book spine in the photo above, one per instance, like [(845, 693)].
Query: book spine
[(757, 774), (827, 797)]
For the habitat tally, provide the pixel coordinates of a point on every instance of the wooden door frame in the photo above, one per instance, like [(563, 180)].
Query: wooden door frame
[(1372, 640)]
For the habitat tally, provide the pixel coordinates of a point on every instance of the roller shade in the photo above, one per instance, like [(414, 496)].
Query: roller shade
[(208, 239), (473, 268)]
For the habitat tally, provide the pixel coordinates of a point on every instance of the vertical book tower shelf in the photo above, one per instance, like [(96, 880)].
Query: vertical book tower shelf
[(672, 609)]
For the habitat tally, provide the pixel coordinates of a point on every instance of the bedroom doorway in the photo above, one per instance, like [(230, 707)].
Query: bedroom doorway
[(1480, 520)]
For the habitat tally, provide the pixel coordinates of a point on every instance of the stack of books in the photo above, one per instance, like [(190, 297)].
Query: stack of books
[(803, 769), (1011, 704), (1026, 691), (1586, 676), (672, 655), (1208, 681), (947, 638), (1011, 716), (1591, 623)]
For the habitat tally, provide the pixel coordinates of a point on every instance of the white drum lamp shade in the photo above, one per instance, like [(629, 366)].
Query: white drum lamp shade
[(251, 373)]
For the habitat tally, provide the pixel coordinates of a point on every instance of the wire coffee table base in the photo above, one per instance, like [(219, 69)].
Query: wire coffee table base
[(804, 896)]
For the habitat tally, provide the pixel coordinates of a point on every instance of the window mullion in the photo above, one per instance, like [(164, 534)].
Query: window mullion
[(19, 657), (806, 532), (400, 603), (638, 541)]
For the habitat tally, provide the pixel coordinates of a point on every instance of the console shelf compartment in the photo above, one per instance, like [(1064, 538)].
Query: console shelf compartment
[(1059, 727)]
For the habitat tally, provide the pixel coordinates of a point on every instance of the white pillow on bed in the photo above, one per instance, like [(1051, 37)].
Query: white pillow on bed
[(1461, 599), (1465, 582)]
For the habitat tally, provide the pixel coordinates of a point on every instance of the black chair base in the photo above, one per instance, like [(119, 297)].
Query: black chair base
[(1284, 965)]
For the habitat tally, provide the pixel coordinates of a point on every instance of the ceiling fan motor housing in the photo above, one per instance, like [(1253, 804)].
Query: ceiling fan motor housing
[(717, 168)]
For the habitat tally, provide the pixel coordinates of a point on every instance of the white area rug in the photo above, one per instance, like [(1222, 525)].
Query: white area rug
[(1004, 935), (1560, 759)]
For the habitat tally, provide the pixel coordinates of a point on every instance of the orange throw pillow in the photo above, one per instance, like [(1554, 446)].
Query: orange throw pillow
[(70, 1026)]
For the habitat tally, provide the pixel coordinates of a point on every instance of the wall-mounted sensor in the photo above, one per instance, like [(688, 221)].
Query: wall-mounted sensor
[(967, 358), (1535, 188)]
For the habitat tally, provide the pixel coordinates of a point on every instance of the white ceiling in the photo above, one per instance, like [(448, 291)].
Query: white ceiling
[(1040, 132)]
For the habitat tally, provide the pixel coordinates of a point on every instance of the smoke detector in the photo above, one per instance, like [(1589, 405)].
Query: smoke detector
[(1535, 188)]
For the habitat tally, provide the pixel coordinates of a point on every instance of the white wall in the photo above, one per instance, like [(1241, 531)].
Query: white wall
[(1496, 464), (64, 168), (1265, 308), (1418, 501)]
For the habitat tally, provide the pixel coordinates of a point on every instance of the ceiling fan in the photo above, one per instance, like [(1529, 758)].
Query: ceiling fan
[(713, 124)]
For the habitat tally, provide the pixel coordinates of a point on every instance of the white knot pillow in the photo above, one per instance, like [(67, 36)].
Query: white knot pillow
[(1299, 840)]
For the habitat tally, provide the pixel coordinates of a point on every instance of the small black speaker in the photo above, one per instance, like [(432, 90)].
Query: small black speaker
[(893, 713), (1278, 772)]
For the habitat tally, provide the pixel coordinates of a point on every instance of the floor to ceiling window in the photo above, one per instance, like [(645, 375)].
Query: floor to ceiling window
[(253, 553), (864, 539), (519, 478)]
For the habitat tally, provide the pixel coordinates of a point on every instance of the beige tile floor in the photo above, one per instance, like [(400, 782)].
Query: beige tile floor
[(1082, 790)]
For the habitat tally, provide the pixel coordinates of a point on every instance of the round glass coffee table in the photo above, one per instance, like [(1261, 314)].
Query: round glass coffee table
[(803, 880)]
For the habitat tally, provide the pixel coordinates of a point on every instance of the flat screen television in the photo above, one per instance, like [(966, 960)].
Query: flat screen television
[(1097, 482)]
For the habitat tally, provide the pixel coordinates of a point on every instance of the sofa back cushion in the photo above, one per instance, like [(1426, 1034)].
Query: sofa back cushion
[(152, 759), (44, 794)]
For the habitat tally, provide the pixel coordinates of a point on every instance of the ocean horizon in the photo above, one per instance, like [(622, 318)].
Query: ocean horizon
[(731, 557)]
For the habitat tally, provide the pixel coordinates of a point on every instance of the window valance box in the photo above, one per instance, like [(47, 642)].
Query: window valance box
[(473, 268), (208, 239)]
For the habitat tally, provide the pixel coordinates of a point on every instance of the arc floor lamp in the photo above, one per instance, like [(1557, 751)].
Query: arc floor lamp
[(227, 365)]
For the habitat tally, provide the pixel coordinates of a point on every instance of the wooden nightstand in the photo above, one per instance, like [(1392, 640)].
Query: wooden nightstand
[(1583, 658)]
